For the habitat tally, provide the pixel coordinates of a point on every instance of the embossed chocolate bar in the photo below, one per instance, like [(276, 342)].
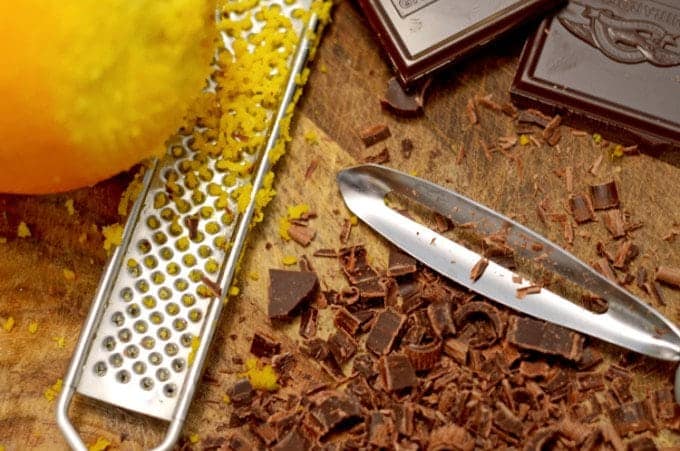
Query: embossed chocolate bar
[(611, 67), (421, 36)]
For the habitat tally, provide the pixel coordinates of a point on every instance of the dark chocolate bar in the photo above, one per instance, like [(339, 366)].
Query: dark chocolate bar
[(611, 67), (421, 36)]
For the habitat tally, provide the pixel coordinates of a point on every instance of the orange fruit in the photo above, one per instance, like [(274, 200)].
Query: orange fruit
[(91, 87)]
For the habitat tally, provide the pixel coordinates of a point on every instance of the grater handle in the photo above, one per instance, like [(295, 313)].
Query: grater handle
[(76, 367)]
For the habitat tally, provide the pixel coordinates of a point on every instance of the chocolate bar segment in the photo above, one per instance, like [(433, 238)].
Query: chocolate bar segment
[(609, 68), (421, 36)]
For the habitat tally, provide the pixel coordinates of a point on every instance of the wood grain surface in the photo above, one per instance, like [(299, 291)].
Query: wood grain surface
[(348, 78)]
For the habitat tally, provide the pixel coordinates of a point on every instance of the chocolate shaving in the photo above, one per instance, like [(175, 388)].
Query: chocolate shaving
[(403, 103), (406, 148), (423, 357), (191, 222), (669, 276), (345, 231), (533, 117), (212, 286), (551, 127), (507, 421), (382, 432), (478, 269), (546, 338), (344, 320), (327, 253), (486, 102), (294, 441), (397, 372), (263, 346), (594, 303), (613, 221), (311, 168), (534, 370), (456, 349), (439, 314), (379, 158), (400, 263), (301, 234), (581, 208), (308, 322), (384, 332), (654, 289), (605, 196), (602, 266), (626, 253), (471, 112), (451, 437), (374, 134), (525, 291), (289, 291)]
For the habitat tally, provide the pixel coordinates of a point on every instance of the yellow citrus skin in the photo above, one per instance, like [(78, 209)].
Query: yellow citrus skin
[(88, 88)]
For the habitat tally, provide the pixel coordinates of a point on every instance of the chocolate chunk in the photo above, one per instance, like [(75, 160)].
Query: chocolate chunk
[(621, 389), (308, 322), (423, 357), (374, 134), (415, 54), (241, 393), (316, 348), (263, 346), (581, 208), (668, 275), (294, 441), (346, 321), (349, 296), (404, 103), (665, 406), (439, 314), (372, 289), (544, 337), (478, 269), (533, 117), (289, 290), (397, 372), (633, 417), (342, 346), (283, 363), (382, 432), (400, 263), (605, 196), (384, 332), (410, 291), (620, 85)]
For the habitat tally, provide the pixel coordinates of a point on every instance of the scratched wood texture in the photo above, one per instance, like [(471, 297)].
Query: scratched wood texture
[(342, 97)]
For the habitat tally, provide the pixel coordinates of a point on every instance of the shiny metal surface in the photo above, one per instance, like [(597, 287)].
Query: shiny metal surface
[(151, 310), (628, 322)]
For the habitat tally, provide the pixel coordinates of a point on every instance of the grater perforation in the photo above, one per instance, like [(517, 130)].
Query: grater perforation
[(159, 300)]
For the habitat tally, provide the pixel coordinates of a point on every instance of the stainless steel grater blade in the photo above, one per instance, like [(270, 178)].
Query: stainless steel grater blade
[(157, 307)]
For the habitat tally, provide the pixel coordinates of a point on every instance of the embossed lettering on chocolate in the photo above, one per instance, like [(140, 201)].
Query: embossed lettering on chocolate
[(611, 67), (421, 36)]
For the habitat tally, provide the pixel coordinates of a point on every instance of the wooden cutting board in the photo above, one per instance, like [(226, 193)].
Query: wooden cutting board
[(342, 97)]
